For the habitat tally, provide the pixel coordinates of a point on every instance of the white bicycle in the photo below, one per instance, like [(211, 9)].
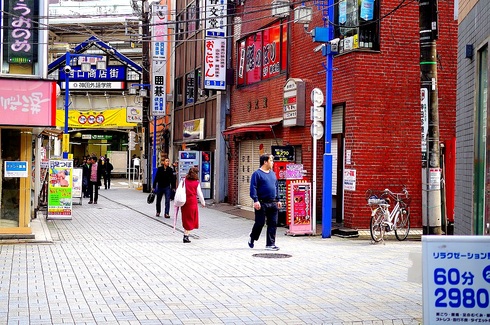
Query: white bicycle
[(383, 220)]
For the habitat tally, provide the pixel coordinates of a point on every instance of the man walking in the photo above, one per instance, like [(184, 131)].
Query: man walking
[(163, 184), (263, 191)]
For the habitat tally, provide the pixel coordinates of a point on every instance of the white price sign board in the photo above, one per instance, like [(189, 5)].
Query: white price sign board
[(456, 279)]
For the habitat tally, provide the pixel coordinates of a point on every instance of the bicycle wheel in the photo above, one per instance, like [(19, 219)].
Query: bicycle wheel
[(376, 227), (402, 224)]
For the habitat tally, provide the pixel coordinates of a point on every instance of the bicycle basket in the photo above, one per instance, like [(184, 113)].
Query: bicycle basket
[(376, 201)]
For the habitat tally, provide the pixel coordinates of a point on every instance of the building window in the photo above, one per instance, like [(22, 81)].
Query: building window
[(357, 24), (192, 13), (262, 55), (180, 30), (179, 98), (190, 88), (482, 147)]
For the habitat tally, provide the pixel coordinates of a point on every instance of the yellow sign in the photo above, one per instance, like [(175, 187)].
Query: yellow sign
[(109, 118), (66, 142)]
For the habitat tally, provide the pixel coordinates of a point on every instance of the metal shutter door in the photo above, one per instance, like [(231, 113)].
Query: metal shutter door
[(249, 162)]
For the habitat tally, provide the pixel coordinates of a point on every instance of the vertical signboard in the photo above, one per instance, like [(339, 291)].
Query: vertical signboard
[(158, 91), (215, 45), (294, 103), (424, 101), (60, 189), (215, 63), (456, 279), (159, 60), (22, 30), (216, 14)]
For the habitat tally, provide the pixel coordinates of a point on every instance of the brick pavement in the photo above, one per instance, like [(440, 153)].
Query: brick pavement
[(115, 263)]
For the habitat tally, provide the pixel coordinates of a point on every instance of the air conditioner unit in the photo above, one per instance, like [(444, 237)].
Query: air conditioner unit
[(280, 8)]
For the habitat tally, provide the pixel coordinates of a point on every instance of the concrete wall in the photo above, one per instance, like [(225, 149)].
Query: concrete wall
[(474, 29)]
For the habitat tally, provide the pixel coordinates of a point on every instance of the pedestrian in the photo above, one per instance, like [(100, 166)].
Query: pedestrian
[(190, 211), (175, 167), (94, 180), (107, 175), (85, 176), (102, 165), (263, 191), (163, 184)]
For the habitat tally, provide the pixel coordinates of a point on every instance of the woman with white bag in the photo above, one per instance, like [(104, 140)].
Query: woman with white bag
[(190, 211)]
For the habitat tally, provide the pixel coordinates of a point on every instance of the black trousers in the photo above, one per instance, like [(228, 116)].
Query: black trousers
[(93, 190), (268, 212), (107, 180)]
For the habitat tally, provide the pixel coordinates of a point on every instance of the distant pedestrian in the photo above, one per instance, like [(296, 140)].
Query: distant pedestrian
[(107, 173), (190, 211), (263, 191), (85, 176), (163, 184), (94, 180)]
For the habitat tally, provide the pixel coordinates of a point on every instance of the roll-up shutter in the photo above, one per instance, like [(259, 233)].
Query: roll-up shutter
[(250, 152)]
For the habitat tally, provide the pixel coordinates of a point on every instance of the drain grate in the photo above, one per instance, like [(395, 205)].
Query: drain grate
[(272, 255)]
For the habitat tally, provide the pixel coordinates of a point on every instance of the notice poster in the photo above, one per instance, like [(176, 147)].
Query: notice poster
[(77, 184), (60, 189), (456, 279), (300, 208)]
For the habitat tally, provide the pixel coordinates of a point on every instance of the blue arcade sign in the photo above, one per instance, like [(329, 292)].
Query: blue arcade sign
[(112, 73)]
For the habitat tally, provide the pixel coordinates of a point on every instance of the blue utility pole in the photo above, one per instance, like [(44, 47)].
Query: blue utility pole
[(326, 34)]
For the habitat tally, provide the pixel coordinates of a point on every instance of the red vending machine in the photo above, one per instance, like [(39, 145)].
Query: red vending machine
[(283, 155)]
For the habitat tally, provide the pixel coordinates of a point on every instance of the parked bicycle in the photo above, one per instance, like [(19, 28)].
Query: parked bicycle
[(383, 220)]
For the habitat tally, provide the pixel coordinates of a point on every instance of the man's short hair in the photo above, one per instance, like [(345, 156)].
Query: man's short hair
[(264, 158)]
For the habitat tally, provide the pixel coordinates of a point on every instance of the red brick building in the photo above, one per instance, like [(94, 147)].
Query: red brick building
[(376, 123)]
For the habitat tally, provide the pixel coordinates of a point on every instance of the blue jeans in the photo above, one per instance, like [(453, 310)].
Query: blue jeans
[(160, 192), (267, 211)]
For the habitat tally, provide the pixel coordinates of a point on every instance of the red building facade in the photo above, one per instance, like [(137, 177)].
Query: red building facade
[(376, 124)]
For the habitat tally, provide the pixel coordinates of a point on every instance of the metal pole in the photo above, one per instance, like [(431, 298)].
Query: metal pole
[(67, 91), (327, 156), (154, 148), (428, 80), (146, 100)]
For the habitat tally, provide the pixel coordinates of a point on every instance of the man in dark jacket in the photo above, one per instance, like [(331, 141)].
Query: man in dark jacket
[(85, 176), (107, 173), (163, 184)]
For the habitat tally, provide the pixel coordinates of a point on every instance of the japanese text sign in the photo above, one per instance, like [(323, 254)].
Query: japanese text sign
[(216, 14), (160, 31), (22, 29), (456, 279), (215, 63), (27, 102)]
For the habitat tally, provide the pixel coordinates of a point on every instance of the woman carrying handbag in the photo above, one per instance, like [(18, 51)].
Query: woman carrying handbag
[(189, 210)]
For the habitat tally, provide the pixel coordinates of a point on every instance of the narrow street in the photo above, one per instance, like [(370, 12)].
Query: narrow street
[(115, 263)]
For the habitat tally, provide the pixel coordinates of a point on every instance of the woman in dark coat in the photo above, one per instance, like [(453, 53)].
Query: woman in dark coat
[(190, 211)]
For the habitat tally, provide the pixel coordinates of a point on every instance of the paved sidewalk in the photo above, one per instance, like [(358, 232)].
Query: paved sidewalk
[(115, 263)]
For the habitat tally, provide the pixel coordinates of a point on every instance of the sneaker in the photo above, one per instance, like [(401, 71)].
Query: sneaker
[(250, 242), (158, 214), (272, 248), (167, 216)]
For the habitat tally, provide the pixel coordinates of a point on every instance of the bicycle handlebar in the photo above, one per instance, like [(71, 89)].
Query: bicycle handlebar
[(405, 192)]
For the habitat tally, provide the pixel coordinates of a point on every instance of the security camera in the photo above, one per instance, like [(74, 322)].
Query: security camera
[(318, 48), (67, 69)]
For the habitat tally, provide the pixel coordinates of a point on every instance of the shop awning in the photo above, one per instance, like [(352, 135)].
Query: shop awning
[(257, 126), (51, 132)]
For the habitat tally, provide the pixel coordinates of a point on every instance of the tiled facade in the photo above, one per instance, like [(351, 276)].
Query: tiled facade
[(474, 29)]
